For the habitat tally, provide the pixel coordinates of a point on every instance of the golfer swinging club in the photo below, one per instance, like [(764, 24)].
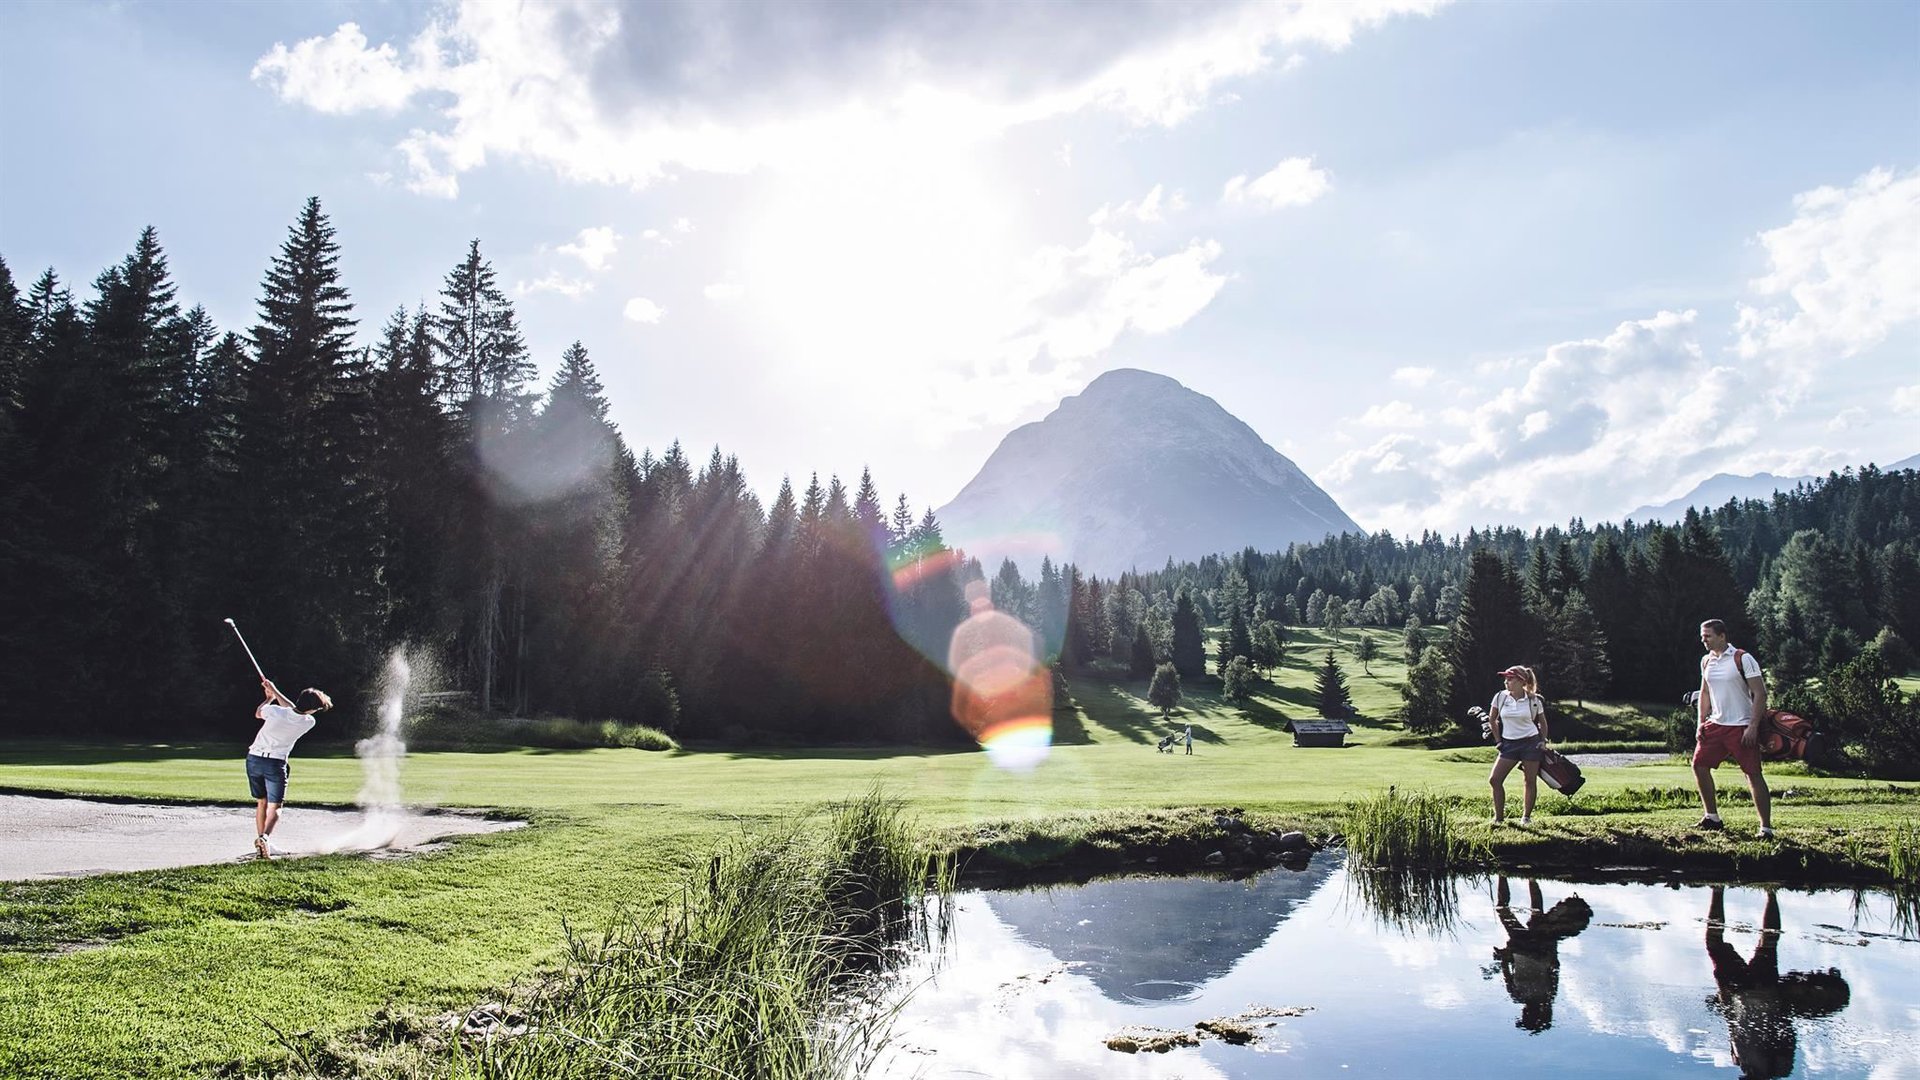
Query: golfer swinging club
[(282, 724)]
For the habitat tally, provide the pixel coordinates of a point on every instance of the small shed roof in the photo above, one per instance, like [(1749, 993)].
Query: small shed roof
[(1319, 727)]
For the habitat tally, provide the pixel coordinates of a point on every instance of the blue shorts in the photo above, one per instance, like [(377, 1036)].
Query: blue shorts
[(267, 778), (1531, 748)]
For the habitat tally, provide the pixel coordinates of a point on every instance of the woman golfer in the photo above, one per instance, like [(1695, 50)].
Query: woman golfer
[(282, 722), (1520, 720)]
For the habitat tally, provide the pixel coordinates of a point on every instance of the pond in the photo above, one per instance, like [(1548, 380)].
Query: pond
[(1327, 979)]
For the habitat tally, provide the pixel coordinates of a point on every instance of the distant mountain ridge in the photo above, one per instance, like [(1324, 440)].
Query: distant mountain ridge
[(1130, 472), (1715, 491)]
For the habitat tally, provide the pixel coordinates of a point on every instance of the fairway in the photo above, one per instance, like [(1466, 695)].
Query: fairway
[(159, 972)]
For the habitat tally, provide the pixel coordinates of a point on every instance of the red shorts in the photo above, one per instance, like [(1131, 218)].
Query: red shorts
[(1718, 742)]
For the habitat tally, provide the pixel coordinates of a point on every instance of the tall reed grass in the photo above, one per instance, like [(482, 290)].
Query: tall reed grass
[(1395, 830), (738, 975), (1903, 857), (1404, 850)]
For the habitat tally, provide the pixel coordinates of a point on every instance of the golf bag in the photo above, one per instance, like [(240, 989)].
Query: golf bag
[(1560, 774), (1786, 736)]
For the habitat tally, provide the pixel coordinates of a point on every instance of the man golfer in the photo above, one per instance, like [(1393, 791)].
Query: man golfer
[(1732, 705), (282, 722)]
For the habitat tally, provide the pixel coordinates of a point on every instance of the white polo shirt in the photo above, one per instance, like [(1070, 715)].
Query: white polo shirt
[(282, 727), (1732, 699)]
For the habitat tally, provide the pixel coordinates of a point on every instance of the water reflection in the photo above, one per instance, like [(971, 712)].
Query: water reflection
[(1759, 1003), (1608, 980), (1149, 940), (1530, 960)]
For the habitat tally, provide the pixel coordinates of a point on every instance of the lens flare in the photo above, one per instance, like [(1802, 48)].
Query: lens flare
[(1002, 694)]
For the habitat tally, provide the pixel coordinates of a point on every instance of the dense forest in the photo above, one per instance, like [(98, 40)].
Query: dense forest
[(1822, 583), (340, 499), (340, 496)]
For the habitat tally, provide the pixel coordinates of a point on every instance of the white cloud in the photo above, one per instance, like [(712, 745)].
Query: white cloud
[(340, 74), (1848, 419), (1413, 376), (642, 310), (1586, 428), (1149, 209), (554, 282), (594, 247), (1394, 414), (1293, 182), (578, 88), (723, 292), (1595, 426), (1080, 300), (1841, 276)]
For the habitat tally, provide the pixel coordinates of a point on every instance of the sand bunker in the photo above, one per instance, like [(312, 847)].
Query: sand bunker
[(48, 838)]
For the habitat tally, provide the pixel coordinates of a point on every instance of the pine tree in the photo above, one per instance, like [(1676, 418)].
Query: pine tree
[(1140, 662), (1189, 648), (484, 362), (302, 453), (1330, 690), (1576, 652), (1239, 638), (1492, 630)]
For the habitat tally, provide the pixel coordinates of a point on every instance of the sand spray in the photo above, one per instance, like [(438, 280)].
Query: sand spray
[(381, 754)]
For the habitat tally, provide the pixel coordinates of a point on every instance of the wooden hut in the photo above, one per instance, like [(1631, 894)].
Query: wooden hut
[(1322, 732)]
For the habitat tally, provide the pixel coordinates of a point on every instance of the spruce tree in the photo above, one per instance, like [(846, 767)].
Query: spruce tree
[(484, 363), (1492, 630), (1330, 690), (1140, 661), (1189, 647), (302, 455)]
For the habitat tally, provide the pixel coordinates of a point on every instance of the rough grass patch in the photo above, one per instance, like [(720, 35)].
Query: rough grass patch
[(1394, 830)]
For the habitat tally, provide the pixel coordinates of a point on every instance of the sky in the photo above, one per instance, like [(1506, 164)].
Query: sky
[(1465, 264)]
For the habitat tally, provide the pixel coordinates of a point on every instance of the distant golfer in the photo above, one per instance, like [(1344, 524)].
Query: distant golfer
[(282, 722), (1189, 738)]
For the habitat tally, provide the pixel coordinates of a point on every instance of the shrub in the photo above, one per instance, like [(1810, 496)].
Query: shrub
[(456, 729)]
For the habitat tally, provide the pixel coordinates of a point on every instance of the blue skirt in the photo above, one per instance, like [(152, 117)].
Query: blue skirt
[(1531, 748)]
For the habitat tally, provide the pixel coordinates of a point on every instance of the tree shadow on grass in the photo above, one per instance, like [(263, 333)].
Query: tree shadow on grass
[(1263, 714), (1302, 697), (105, 752), (1117, 710)]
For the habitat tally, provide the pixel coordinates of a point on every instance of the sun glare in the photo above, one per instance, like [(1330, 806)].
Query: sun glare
[(880, 268)]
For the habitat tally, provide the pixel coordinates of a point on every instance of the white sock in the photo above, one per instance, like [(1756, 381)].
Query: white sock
[(1715, 817)]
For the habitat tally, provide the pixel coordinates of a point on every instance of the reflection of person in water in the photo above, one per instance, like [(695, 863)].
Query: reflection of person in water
[(1530, 960), (1760, 1003)]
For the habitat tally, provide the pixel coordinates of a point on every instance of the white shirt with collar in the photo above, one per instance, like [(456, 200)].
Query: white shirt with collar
[(1732, 697), (280, 729)]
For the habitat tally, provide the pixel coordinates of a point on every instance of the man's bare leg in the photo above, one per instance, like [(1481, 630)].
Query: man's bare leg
[(1703, 776)]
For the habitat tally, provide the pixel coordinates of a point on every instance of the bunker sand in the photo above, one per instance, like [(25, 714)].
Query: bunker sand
[(53, 838)]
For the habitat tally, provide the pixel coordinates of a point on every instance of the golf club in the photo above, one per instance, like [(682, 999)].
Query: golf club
[(243, 644)]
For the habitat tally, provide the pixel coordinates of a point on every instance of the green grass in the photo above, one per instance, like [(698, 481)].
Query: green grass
[(188, 972), (1392, 830)]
